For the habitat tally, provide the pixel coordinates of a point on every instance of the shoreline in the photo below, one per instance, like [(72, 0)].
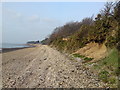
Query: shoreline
[(4, 50)]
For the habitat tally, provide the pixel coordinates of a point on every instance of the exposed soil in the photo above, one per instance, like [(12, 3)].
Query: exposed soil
[(93, 50)]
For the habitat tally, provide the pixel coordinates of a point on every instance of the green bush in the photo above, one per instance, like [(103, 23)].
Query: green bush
[(111, 41)]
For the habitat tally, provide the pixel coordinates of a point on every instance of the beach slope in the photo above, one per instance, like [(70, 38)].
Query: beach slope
[(44, 67)]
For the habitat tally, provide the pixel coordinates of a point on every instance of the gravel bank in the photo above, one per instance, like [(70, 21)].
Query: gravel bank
[(44, 67)]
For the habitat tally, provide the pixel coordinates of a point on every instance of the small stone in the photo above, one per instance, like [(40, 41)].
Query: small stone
[(60, 83), (13, 59), (65, 77), (72, 70), (45, 58)]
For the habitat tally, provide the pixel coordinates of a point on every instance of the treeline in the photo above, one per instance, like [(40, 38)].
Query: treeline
[(105, 28), (66, 30), (33, 42)]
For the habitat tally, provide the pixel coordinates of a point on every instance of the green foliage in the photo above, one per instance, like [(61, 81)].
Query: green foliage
[(116, 72), (111, 41), (88, 59), (118, 38), (59, 43), (103, 75), (96, 67), (117, 12), (107, 68), (105, 29), (112, 80), (78, 55), (86, 31), (112, 59), (45, 41), (78, 40)]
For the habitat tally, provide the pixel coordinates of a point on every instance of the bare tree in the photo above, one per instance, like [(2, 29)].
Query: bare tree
[(108, 8)]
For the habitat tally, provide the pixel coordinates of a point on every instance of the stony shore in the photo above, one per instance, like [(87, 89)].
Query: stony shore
[(45, 67)]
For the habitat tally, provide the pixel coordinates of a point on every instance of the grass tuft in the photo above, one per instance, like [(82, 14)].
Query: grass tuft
[(86, 59), (103, 75), (78, 55)]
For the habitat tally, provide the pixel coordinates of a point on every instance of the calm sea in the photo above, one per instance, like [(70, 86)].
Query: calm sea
[(9, 45)]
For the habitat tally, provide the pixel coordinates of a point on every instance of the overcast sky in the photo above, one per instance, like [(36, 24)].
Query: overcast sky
[(25, 21)]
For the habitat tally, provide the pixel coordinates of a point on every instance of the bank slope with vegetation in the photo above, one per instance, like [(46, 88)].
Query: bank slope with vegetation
[(103, 30)]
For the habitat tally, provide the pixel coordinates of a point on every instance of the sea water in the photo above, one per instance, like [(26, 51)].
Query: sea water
[(10, 45)]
